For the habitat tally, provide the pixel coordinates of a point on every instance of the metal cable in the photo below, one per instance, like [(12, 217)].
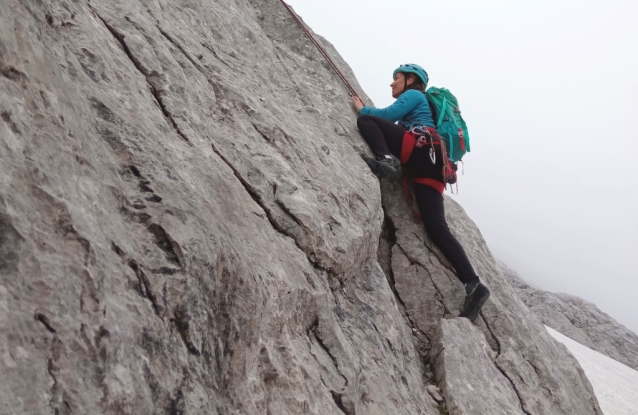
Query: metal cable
[(321, 49)]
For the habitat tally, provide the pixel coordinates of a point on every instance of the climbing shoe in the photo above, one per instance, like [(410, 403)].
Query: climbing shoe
[(476, 294), (384, 166)]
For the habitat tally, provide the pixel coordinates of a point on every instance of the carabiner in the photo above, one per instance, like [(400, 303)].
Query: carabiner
[(432, 152)]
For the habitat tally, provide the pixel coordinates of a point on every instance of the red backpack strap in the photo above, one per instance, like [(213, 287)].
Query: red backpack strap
[(409, 139)]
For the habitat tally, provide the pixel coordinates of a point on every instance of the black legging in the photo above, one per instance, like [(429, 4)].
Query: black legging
[(385, 137)]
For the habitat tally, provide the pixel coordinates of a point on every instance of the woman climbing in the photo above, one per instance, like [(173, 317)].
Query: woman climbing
[(385, 137)]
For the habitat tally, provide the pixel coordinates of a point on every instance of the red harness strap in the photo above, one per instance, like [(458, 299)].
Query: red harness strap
[(409, 141), (440, 186)]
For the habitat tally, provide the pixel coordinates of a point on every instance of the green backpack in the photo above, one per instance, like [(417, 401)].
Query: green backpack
[(449, 123)]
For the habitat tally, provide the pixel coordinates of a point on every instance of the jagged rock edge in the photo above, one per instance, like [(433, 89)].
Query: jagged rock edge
[(446, 311), (406, 314), (498, 342), (181, 49), (276, 226), (391, 284), (336, 396), (520, 399), (416, 262)]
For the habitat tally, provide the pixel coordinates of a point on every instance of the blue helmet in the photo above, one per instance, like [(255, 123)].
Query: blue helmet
[(412, 68)]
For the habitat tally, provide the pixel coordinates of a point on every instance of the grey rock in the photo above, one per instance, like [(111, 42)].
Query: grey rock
[(541, 372), (579, 320), (435, 392), (187, 227), (471, 383)]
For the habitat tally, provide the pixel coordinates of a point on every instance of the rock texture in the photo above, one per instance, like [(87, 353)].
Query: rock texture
[(541, 372), (186, 227), (579, 320), (463, 362)]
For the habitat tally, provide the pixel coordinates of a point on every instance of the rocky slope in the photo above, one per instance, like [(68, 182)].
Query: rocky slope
[(186, 227), (579, 320)]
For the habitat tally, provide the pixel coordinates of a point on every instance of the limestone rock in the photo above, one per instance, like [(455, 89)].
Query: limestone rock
[(187, 227), (435, 392), (579, 320), (471, 382), (542, 373), (177, 233)]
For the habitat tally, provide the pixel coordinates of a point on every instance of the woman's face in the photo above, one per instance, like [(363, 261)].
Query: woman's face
[(398, 84)]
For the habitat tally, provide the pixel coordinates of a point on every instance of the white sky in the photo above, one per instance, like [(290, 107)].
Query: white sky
[(549, 90)]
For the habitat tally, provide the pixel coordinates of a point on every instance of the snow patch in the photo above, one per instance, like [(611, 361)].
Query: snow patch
[(615, 385)]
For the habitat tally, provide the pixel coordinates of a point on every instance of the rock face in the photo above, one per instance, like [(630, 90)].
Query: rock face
[(464, 368), (540, 372), (186, 227), (579, 320)]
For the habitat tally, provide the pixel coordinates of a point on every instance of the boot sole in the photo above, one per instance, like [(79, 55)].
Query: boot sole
[(382, 170)]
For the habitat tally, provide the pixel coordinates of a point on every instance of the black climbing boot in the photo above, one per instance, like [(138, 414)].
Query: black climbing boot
[(476, 295), (384, 166)]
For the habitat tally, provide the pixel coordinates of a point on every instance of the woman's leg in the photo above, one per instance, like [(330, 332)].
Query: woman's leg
[(431, 207), (384, 137)]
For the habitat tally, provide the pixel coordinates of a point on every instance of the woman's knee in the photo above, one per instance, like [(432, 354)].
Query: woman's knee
[(363, 120)]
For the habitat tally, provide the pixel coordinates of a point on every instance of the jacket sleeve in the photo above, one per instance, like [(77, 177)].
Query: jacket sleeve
[(401, 107)]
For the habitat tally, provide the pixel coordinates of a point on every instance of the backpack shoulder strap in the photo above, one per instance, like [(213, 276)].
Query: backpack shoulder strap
[(442, 113), (440, 120)]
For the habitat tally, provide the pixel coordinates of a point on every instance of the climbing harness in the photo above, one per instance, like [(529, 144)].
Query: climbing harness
[(432, 153), (421, 133), (449, 168), (420, 137), (321, 49)]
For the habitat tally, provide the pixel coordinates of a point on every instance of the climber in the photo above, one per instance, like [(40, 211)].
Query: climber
[(385, 137)]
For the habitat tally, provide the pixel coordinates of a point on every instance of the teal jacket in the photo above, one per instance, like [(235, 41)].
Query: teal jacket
[(410, 109)]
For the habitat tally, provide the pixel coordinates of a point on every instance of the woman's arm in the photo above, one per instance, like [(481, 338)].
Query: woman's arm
[(401, 107)]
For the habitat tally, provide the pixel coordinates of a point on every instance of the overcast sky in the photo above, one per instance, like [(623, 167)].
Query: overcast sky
[(549, 90)]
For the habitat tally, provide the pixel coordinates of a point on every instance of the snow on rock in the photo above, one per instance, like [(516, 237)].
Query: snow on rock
[(578, 319), (615, 384)]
